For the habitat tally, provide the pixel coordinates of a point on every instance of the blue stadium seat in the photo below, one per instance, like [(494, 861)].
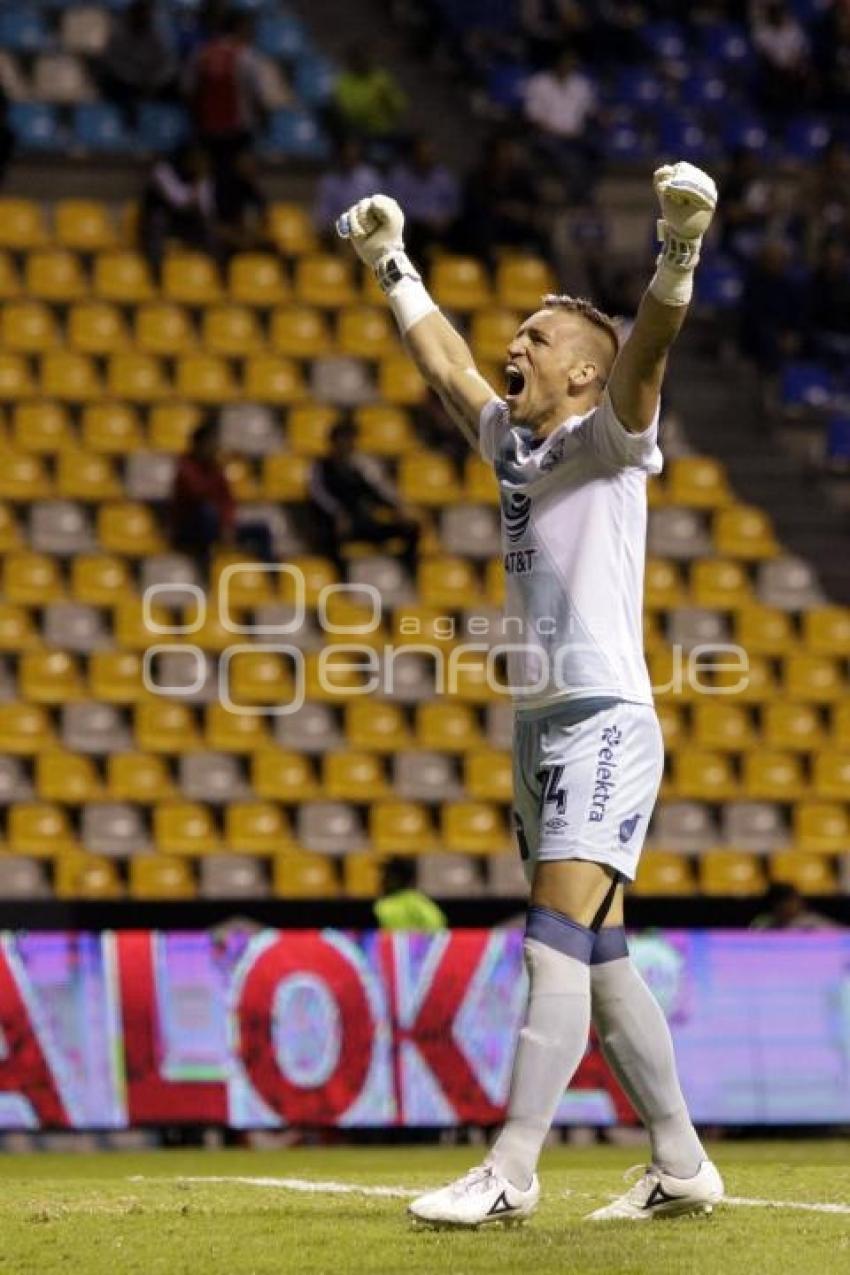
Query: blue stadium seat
[(23, 30), (281, 37), (626, 143), (720, 283), (741, 128), (838, 440), (637, 86), (506, 83), (314, 79), (665, 40), (295, 133), (806, 385), (729, 43), (100, 127), (683, 135), (35, 126), (162, 126), (705, 89), (806, 136)]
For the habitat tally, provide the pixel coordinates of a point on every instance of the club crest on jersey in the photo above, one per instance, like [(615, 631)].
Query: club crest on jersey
[(516, 511)]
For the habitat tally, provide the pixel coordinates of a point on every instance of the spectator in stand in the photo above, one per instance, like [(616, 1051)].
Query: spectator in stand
[(137, 63), (178, 202), (561, 103), (368, 101), (748, 197), (772, 307), (500, 204), (349, 505), (829, 302), (784, 56), (241, 207), (429, 193), (351, 180), (223, 86), (785, 909)]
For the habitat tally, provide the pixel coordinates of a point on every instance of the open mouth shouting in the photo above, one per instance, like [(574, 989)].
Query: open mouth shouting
[(515, 382)]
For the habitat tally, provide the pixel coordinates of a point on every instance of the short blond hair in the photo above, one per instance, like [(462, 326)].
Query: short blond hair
[(586, 310)]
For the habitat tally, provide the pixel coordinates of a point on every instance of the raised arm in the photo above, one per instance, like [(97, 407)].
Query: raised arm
[(688, 198), (375, 227)]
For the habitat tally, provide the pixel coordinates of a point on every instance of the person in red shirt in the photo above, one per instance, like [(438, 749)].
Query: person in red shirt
[(202, 506)]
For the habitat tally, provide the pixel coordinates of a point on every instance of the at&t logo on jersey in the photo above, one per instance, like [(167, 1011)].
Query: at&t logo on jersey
[(605, 779), (516, 512)]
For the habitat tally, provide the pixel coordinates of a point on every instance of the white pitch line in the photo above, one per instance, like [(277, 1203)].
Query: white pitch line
[(323, 1186)]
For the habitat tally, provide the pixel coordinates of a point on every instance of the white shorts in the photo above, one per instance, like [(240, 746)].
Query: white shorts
[(585, 786)]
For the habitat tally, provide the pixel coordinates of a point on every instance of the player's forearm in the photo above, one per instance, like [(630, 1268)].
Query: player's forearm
[(635, 382), (437, 349)]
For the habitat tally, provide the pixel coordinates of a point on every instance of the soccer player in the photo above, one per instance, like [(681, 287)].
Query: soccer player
[(572, 442)]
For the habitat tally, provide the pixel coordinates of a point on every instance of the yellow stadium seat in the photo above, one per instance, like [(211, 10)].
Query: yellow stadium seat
[(140, 777), (257, 279), (315, 574), (212, 635), (473, 679), (656, 492), (21, 224), (333, 677), (284, 776), (831, 776), (49, 677), (299, 332), (383, 430), (130, 626), (671, 719), (123, 277), (447, 582), (704, 776), (25, 729), (55, 275), (370, 289), (42, 427), (663, 872), (821, 827), (773, 776), (758, 685), (290, 228), (480, 486), (792, 727), (67, 778), (304, 876), (10, 536), (205, 378), (87, 876), (115, 677), (743, 531), (361, 875), (231, 331), (170, 426), (399, 381), (165, 727), (813, 679), (366, 332), (84, 225), (670, 677), (494, 582), (415, 625), (86, 476), (99, 579), (308, 427), (70, 377), (840, 725), (719, 584), (729, 872), (374, 726), (258, 677), (826, 630), (190, 278), (96, 327), (128, 528), (32, 579), (247, 585), (185, 828), (226, 732), (160, 877), (698, 482), (10, 284), (662, 587), (764, 630), (164, 330), (256, 827), (285, 477), (474, 827), (39, 829), (272, 380), (488, 775), (28, 327), (809, 873), (447, 727), (324, 281), (17, 629), (353, 776), (428, 478), (460, 283), (16, 380), (491, 332), (522, 282), (112, 429), (400, 827), (722, 726), (653, 636)]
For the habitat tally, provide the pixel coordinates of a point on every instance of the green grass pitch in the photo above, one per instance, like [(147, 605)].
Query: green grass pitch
[(119, 1214)]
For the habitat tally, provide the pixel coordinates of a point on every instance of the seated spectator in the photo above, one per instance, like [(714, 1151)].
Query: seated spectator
[(223, 86), (784, 56), (137, 63), (348, 505), (178, 202), (430, 196), (368, 101), (772, 307), (500, 203), (348, 181), (825, 195), (561, 103), (748, 197), (829, 302), (240, 207), (403, 907), (786, 909)]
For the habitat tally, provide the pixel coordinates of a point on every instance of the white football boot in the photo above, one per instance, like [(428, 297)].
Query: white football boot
[(480, 1197), (657, 1194)]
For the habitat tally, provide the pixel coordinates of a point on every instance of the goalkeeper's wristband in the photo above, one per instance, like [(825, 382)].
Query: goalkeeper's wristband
[(673, 281), (409, 299)]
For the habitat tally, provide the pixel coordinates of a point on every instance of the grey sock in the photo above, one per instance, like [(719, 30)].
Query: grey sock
[(636, 1041)]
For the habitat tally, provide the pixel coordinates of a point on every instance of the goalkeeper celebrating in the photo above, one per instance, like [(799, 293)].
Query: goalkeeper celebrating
[(572, 441)]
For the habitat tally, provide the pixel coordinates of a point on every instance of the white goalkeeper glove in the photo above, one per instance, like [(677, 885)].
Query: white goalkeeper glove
[(688, 198), (375, 227)]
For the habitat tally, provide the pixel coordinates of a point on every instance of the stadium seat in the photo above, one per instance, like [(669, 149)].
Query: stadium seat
[(22, 878), (94, 728), (840, 725), (128, 529), (170, 426), (446, 875), (447, 727), (99, 579), (826, 631), (676, 533), (225, 876), (28, 327), (164, 727), (205, 378), (308, 428), (727, 872), (521, 282), (831, 776), (400, 828), (295, 134), (366, 332), (791, 727), (39, 829), (163, 329), (399, 382), (789, 583), (231, 331), (813, 679), (257, 279), (686, 827), (59, 527), (353, 776), (86, 476), (724, 727), (49, 677), (361, 876), (373, 726), (190, 278), (283, 776), (10, 284), (31, 579), (22, 226), (460, 283), (10, 536), (698, 482), (299, 332), (69, 377), (488, 776), (256, 827), (473, 531), (258, 678), (111, 429), (756, 684), (99, 127), (720, 584), (821, 827), (16, 381), (272, 380), (664, 873), (662, 585), (184, 828), (42, 427), (773, 776), (96, 327), (446, 582), (213, 777), (704, 776), (755, 826), (122, 277), (25, 730), (427, 478), (330, 827), (66, 778), (160, 877), (115, 677), (762, 630), (480, 486), (383, 430), (304, 876), (86, 876), (138, 777), (161, 127), (311, 729), (744, 532), (324, 281), (809, 873), (425, 776), (53, 274), (83, 225), (290, 228)]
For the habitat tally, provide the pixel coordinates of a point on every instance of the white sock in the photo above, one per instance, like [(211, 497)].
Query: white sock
[(636, 1041), (551, 1043)]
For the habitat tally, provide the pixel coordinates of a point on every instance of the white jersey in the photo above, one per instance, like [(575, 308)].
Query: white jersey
[(574, 538)]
